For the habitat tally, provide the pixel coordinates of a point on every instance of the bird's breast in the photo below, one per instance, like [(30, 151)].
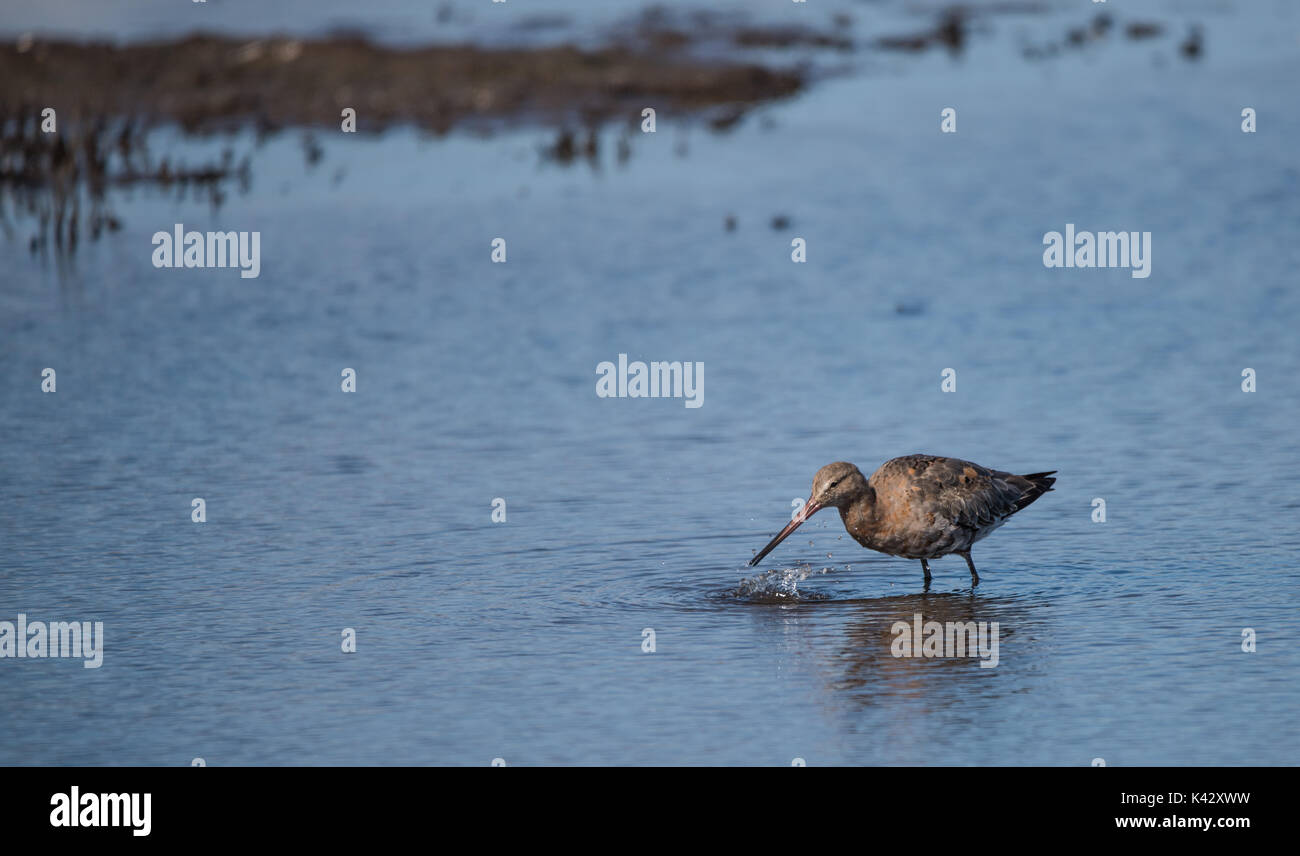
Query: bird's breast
[(902, 528)]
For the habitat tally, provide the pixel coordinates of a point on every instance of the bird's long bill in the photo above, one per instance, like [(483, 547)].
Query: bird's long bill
[(809, 509)]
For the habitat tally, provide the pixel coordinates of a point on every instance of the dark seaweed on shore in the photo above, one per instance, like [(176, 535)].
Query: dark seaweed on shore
[(109, 97), (61, 179), (211, 83)]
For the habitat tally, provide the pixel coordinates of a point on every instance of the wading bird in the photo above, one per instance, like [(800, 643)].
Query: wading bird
[(919, 506)]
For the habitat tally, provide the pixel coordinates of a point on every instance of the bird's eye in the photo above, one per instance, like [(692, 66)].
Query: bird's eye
[(832, 484)]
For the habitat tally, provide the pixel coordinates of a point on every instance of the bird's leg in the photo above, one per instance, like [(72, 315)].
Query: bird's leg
[(970, 563), (925, 566)]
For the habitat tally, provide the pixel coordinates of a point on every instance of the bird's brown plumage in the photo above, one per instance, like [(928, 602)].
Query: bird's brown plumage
[(924, 506), (920, 506)]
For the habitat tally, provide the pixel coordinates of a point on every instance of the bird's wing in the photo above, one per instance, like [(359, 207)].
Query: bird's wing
[(965, 494)]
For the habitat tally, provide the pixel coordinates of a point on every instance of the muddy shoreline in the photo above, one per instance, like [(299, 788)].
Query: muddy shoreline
[(211, 83), (700, 68), (57, 168)]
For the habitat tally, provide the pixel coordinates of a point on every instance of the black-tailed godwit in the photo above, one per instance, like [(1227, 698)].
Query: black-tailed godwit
[(919, 506)]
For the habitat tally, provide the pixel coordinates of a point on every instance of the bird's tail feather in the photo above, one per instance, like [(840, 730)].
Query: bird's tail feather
[(1039, 484)]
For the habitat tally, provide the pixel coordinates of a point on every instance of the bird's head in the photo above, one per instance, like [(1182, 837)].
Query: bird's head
[(835, 485)]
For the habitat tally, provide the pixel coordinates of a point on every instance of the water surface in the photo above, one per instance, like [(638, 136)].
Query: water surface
[(522, 640)]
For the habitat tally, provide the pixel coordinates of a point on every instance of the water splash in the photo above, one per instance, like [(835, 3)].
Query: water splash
[(779, 585)]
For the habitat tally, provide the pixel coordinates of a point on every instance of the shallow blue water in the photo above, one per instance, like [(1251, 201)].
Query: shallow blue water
[(522, 640)]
